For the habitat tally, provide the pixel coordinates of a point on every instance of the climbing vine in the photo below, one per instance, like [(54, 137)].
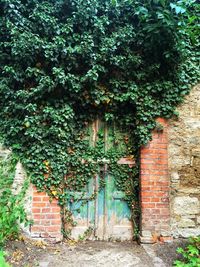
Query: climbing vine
[(63, 64)]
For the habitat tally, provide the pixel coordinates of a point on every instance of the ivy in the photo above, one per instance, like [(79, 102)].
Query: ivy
[(12, 210), (189, 254), (65, 63)]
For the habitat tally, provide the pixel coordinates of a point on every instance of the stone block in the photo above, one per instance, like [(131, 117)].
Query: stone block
[(193, 123), (186, 205), (4, 152), (146, 233), (146, 240), (186, 232), (186, 223), (175, 176), (165, 233), (196, 153)]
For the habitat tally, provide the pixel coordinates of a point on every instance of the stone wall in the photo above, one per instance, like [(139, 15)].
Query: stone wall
[(20, 176), (184, 167)]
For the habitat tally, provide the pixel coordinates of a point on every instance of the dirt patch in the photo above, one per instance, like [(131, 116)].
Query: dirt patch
[(28, 253), (167, 251), (103, 254)]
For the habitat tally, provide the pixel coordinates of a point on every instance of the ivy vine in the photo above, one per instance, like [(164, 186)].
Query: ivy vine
[(63, 63)]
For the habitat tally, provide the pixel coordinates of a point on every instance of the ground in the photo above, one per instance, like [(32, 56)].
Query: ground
[(28, 253)]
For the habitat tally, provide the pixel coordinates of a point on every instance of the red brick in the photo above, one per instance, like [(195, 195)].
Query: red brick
[(154, 174), (162, 121), (154, 156), (158, 178), (144, 161), (144, 172), (162, 183), (46, 210), (163, 217), (159, 146), (156, 211), (37, 228), (146, 199), (39, 204), (161, 161), (56, 209), (165, 211), (36, 222), (38, 216), (146, 183), (53, 205), (52, 216), (148, 205), (146, 194), (46, 215), (155, 199), (36, 210), (152, 194), (55, 222), (165, 199), (145, 177), (46, 223), (146, 188), (160, 188), (38, 194), (161, 205), (159, 172), (37, 199), (45, 199), (53, 228)]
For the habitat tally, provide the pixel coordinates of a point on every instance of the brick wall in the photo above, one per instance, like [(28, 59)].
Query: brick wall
[(46, 217), (154, 188), (154, 196)]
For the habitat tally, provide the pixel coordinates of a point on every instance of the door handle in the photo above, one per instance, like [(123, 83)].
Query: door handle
[(103, 170)]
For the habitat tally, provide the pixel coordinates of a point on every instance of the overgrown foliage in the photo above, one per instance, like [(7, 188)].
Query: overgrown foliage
[(2, 260), (12, 211), (190, 254), (63, 63)]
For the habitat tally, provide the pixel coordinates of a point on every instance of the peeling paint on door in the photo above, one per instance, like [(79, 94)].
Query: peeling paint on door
[(107, 216)]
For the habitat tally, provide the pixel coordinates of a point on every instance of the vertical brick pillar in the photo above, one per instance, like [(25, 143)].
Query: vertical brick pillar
[(46, 217), (154, 186)]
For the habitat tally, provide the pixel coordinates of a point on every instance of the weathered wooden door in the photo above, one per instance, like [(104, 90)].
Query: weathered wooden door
[(107, 216)]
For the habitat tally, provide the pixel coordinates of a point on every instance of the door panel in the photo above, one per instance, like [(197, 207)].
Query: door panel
[(83, 209), (118, 225), (107, 215)]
